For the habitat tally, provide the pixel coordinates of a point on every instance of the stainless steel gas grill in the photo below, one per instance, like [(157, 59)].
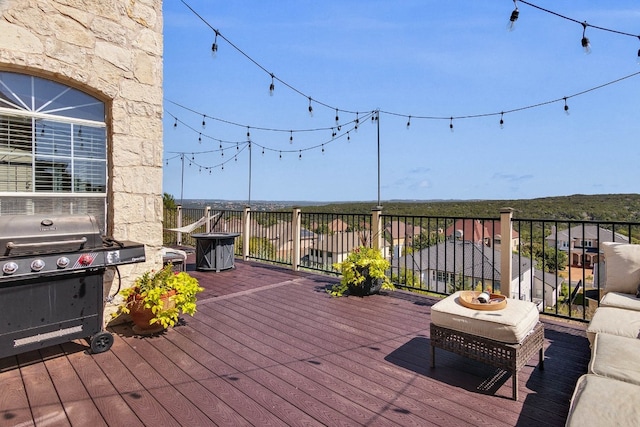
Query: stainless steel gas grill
[(51, 284)]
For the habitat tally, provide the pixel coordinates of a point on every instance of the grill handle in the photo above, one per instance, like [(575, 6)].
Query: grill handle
[(11, 245)]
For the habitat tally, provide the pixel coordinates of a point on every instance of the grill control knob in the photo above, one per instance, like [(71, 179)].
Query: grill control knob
[(10, 267), (63, 262), (85, 260), (37, 264)]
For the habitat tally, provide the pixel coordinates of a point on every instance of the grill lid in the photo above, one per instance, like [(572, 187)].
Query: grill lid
[(40, 234)]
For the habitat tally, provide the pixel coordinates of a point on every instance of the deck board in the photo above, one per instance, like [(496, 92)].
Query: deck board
[(269, 346)]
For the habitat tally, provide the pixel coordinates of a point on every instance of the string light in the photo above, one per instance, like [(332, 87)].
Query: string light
[(310, 108), (204, 123), (300, 155), (514, 17), (409, 123), (337, 117), (586, 45), (502, 120), (272, 86), (566, 107), (175, 124), (248, 134), (638, 53), (214, 46), (200, 139), (451, 124), (322, 149), (291, 137)]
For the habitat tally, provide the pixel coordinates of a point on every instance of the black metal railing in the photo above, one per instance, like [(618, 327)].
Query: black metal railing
[(554, 263)]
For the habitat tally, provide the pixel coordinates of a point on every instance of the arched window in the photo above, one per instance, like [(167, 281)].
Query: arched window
[(53, 149)]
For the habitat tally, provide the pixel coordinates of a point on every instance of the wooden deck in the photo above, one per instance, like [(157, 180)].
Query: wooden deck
[(269, 347)]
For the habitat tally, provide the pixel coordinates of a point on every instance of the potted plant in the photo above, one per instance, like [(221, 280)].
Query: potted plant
[(157, 298), (363, 273)]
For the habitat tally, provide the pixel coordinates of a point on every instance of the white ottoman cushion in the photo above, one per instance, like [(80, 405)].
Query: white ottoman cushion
[(509, 325)]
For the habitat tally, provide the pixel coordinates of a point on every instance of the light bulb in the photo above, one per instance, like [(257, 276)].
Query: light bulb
[(310, 108), (272, 86), (586, 45), (513, 18)]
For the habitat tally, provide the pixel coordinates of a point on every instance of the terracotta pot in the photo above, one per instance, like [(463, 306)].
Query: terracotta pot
[(141, 316)]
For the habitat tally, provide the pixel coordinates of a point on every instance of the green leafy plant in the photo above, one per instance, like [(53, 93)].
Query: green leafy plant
[(166, 293), (360, 264)]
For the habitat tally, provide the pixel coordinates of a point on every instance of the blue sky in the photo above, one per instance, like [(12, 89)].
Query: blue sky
[(415, 58)]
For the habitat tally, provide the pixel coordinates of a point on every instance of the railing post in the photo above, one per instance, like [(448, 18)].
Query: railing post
[(178, 225), (376, 228), (207, 214), (297, 226), (246, 217), (506, 267)]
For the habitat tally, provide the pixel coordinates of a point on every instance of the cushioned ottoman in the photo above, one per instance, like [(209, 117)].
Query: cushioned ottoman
[(600, 401), (615, 321), (616, 357), (505, 339), (509, 325)]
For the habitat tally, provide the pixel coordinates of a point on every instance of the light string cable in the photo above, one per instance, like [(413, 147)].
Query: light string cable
[(193, 161), (450, 118), (269, 73), (577, 21), (201, 135), (334, 138), (245, 126), (513, 110)]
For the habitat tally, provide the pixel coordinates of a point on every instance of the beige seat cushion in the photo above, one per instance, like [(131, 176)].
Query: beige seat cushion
[(601, 401), (622, 269), (616, 357), (620, 300), (509, 325), (615, 321)]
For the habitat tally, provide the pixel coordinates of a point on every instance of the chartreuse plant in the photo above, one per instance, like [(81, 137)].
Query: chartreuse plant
[(363, 262), (166, 293)]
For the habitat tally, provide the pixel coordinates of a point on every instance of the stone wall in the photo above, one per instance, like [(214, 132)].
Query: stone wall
[(113, 51)]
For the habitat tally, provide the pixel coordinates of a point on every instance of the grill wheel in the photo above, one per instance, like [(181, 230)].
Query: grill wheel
[(101, 342)]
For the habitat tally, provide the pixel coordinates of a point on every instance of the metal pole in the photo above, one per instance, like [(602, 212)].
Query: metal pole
[(249, 202), (378, 120), (182, 178)]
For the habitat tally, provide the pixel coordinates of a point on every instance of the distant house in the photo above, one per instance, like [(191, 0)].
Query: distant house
[(280, 237), (545, 286), (582, 243), (326, 249), (401, 235), (487, 232), (453, 265)]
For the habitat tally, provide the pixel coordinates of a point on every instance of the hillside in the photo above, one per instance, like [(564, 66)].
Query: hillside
[(601, 207)]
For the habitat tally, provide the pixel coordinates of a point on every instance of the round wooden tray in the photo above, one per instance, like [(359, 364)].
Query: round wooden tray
[(469, 299)]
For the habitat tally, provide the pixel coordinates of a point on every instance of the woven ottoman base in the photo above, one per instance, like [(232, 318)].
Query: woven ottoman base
[(510, 357)]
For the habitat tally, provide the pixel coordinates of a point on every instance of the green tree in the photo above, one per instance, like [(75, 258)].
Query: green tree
[(168, 201)]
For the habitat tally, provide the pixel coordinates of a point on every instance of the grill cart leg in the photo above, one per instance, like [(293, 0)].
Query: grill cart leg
[(101, 342)]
